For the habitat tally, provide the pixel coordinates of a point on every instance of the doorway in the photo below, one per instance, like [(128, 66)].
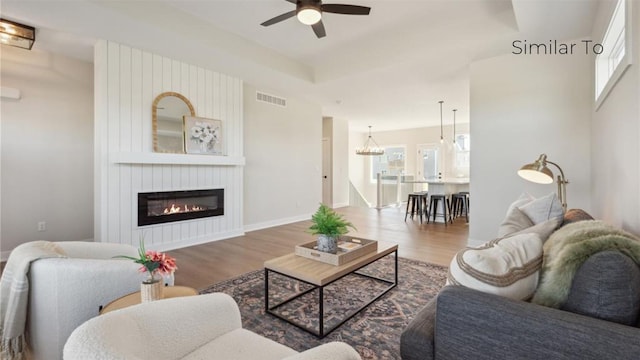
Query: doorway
[(327, 188), (428, 166)]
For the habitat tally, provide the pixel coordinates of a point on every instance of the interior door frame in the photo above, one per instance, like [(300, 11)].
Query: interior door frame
[(327, 173), (419, 159)]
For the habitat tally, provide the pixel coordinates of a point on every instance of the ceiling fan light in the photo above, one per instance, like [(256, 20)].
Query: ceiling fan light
[(309, 15), (15, 34)]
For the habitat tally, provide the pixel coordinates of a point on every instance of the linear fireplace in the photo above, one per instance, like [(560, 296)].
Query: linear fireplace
[(169, 206)]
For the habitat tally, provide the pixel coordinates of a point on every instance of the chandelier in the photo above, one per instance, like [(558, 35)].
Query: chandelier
[(370, 147)]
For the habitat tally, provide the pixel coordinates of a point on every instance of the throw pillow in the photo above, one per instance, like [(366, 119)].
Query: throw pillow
[(575, 215), (523, 199), (508, 266), (543, 209), (543, 229), (515, 221)]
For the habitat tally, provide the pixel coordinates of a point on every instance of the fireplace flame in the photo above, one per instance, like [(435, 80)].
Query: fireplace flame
[(182, 209)]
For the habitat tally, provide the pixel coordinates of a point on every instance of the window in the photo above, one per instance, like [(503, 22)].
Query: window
[(463, 152), (615, 57), (390, 163)]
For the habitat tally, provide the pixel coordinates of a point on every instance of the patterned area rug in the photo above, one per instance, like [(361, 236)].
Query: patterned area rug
[(374, 332)]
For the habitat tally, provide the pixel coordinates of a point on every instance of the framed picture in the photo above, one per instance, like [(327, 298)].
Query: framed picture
[(203, 136)]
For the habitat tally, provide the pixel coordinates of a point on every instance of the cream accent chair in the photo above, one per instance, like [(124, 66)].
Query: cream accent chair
[(66, 292), (196, 327)]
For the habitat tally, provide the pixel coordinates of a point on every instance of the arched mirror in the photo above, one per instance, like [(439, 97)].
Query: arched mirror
[(167, 112)]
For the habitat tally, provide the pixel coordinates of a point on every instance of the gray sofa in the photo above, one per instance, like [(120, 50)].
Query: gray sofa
[(599, 320)]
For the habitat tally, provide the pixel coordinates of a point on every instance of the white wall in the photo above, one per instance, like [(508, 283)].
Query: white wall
[(283, 150), (522, 106), (340, 162), (615, 155), (358, 166), (127, 80), (47, 148)]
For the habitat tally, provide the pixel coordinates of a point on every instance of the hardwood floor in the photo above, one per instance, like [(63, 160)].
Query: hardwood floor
[(202, 265)]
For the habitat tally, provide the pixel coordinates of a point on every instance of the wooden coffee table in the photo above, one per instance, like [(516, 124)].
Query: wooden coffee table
[(134, 298), (319, 275)]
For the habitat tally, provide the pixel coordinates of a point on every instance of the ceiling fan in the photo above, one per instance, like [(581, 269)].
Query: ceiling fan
[(309, 12)]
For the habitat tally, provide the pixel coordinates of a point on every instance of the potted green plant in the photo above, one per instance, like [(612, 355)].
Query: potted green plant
[(328, 225)]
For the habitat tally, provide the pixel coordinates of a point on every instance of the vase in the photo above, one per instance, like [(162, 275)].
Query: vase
[(328, 244), (204, 147), (151, 289)]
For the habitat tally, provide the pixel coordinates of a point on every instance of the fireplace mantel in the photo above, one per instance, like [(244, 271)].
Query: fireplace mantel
[(175, 159)]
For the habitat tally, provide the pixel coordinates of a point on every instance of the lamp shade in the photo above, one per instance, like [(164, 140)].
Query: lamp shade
[(541, 176), (537, 171)]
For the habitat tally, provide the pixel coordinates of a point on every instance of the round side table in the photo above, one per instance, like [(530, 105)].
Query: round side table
[(134, 298)]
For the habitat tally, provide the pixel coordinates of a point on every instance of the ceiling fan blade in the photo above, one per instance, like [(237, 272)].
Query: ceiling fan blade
[(318, 28), (346, 9), (279, 18)]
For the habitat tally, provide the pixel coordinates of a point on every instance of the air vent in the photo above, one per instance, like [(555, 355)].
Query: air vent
[(260, 96)]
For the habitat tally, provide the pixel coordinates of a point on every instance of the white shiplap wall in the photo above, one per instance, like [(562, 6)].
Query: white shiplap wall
[(127, 80)]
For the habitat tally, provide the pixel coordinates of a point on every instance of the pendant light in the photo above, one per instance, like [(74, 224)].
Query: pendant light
[(370, 147), (441, 136), (454, 125)]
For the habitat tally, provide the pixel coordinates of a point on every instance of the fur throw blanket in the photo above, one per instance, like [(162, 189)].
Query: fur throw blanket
[(569, 247)]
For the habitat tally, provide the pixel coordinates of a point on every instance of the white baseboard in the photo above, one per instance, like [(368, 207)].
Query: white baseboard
[(340, 205), (198, 240), (474, 242), (4, 255), (278, 222)]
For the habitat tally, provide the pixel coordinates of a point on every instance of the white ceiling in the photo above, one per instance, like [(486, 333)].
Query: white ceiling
[(388, 69)]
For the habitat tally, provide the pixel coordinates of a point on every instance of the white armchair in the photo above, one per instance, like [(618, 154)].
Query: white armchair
[(196, 327), (66, 292)]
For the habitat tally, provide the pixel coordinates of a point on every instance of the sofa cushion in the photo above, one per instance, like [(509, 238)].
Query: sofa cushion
[(506, 266), (416, 340), (241, 344), (607, 287)]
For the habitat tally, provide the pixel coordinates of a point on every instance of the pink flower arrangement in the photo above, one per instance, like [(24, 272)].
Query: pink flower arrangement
[(153, 262), (158, 262)]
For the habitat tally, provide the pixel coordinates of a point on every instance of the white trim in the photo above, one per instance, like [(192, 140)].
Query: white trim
[(626, 60), (277, 222), (4, 256), (177, 159), (198, 240), (340, 205)]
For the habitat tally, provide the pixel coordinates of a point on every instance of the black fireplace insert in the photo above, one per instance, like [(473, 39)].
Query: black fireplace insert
[(170, 206)]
